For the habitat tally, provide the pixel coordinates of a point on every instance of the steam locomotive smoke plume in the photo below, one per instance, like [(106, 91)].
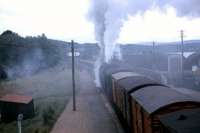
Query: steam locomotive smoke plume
[(108, 17)]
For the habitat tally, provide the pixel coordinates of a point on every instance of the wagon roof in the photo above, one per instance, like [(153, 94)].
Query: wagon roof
[(186, 121), (121, 75), (131, 84), (193, 58), (112, 70), (153, 98), (16, 98), (193, 93)]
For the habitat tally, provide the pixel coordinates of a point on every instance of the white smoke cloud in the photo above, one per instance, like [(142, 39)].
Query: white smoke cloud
[(188, 8), (109, 16)]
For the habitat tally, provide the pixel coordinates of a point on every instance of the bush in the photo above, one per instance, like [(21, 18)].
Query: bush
[(48, 116)]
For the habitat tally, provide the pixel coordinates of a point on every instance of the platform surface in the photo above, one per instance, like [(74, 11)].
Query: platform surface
[(93, 115)]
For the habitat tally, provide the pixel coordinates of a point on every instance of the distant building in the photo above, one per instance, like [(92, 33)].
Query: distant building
[(174, 63)]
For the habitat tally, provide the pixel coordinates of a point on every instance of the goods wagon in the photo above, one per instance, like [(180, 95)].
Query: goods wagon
[(150, 103), (125, 87), (106, 78), (115, 78), (144, 104)]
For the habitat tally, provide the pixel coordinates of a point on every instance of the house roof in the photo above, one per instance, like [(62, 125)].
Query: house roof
[(14, 98)]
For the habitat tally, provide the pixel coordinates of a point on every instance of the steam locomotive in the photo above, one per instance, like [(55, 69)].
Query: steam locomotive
[(145, 105)]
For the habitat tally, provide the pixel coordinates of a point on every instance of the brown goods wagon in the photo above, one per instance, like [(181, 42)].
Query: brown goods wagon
[(118, 76), (125, 87), (152, 102), (107, 77), (13, 105)]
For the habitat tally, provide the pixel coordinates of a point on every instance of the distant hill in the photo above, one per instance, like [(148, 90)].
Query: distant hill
[(189, 46), (21, 56)]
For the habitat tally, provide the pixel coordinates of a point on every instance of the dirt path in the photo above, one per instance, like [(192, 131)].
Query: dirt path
[(92, 116)]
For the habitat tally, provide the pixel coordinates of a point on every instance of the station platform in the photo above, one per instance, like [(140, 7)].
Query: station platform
[(93, 114)]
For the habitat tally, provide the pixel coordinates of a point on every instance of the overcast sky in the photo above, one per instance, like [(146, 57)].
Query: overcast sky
[(67, 19)]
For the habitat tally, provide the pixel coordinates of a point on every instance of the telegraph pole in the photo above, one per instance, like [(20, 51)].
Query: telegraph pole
[(182, 53), (73, 76), (154, 55)]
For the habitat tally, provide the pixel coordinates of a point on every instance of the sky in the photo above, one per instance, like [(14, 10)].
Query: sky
[(67, 20)]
